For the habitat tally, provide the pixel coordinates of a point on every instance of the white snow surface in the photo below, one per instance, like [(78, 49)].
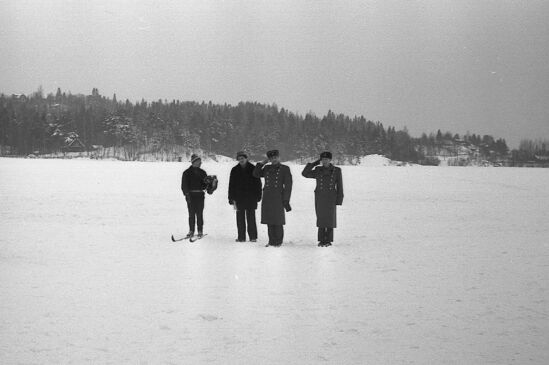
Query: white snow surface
[(429, 266)]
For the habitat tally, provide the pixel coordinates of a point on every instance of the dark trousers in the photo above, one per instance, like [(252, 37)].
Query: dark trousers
[(195, 205), (276, 234), (246, 216), (325, 235)]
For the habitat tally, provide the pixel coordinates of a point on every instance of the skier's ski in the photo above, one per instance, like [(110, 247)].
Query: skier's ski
[(180, 239), (196, 238)]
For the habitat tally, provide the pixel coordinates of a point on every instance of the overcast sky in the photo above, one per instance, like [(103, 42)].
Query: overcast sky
[(461, 65)]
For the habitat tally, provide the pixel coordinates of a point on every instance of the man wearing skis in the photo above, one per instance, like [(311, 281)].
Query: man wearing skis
[(276, 195), (328, 194), (244, 194), (193, 184)]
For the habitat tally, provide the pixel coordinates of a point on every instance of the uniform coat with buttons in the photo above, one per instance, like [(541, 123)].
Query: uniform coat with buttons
[(277, 190), (328, 192)]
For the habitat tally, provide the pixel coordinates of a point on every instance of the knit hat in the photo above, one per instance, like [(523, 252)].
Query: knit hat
[(241, 153), (326, 155), (272, 153), (194, 157)]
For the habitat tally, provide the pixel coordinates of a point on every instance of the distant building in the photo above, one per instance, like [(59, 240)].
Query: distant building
[(21, 97), (74, 145)]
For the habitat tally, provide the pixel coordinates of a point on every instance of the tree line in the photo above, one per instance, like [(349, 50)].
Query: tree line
[(39, 123)]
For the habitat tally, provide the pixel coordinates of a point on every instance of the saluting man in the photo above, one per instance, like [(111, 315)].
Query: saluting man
[(276, 195), (328, 194)]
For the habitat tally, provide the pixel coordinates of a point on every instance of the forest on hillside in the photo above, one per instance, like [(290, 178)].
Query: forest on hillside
[(42, 124)]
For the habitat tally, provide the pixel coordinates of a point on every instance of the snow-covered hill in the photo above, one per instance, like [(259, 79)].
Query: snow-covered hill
[(379, 161), (373, 160), (429, 266)]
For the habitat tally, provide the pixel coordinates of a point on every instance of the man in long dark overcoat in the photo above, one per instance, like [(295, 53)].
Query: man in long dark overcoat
[(276, 195), (328, 194), (244, 194)]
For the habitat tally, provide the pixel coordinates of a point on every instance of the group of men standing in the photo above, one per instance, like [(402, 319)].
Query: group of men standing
[(246, 191)]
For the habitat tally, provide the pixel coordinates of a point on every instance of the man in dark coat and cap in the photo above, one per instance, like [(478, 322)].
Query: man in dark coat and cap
[(276, 195), (193, 184), (328, 194), (244, 194)]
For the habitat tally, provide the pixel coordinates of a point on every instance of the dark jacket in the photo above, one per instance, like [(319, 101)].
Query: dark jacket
[(244, 187), (193, 180), (328, 192), (277, 190)]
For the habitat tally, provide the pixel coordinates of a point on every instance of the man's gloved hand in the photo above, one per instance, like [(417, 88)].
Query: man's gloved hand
[(317, 162), (286, 205)]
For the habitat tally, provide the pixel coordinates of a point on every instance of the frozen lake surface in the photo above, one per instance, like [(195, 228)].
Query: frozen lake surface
[(429, 266)]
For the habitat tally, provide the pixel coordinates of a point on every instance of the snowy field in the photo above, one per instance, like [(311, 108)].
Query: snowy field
[(429, 266)]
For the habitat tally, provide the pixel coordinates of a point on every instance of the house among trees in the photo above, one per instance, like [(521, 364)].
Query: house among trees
[(73, 145), (541, 160), (20, 97)]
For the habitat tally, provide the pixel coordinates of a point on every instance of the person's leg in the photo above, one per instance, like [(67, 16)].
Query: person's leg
[(323, 235), (252, 225), (320, 235), (192, 214), (200, 212), (270, 232), (329, 235), (278, 234), (241, 225)]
